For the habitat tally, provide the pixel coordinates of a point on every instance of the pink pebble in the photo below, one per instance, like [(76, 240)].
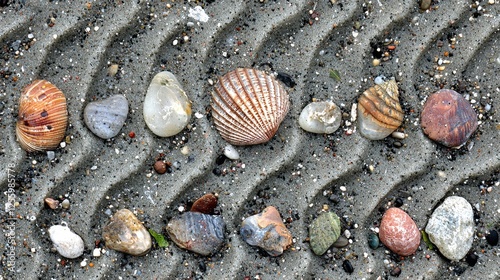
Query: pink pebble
[(399, 233)]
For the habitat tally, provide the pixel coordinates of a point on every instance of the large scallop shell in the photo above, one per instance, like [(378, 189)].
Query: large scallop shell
[(43, 117), (379, 111), (248, 106)]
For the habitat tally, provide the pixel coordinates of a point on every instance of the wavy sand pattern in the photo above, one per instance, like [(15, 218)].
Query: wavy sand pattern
[(297, 172)]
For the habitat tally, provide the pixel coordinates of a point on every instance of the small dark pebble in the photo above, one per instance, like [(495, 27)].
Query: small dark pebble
[(397, 144), (220, 159), (492, 238), (471, 259), (459, 270), (341, 242), (202, 266), (217, 171), (286, 79), (348, 266), (398, 202), (373, 241), (396, 271)]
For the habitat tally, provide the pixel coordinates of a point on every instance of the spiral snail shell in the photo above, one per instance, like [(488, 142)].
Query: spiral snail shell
[(379, 111), (43, 117), (248, 106)]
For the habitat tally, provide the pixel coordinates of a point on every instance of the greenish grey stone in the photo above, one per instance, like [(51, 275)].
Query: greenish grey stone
[(323, 232)]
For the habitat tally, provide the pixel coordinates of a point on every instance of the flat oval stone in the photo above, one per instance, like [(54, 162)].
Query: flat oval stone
[(106, 118), (373, 241), (398, 232), (320, 117), (451, 227), (167, 109), (323, 232)]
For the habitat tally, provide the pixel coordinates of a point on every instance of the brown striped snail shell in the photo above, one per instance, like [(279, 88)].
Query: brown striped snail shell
[(379, 111), (248, 106), (43, 117)]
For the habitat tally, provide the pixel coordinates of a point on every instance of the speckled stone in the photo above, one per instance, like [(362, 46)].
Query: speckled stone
[(398, 232), (451, 227), (323, 232)]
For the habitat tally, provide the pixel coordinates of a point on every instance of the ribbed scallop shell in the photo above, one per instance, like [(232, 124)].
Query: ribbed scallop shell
[(379, 111), (248, 106), (43, 117)]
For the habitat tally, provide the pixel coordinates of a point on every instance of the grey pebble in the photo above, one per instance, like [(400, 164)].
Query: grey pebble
[(106, 118)]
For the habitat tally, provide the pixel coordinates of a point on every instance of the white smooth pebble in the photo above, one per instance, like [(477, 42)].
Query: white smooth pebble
[(398, 135), (167, 109), (320, 117), (68, 244), (231, 153)]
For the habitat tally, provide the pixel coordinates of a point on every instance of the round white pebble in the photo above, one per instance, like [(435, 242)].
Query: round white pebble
[(65, 204), (231, 153), (320, 117)]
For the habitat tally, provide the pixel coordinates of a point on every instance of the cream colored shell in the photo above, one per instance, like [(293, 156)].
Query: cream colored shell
[(379, 111), (248, 106)]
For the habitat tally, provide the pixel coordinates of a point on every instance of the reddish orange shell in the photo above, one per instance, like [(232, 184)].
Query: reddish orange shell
[(248, 106), (43, 117)]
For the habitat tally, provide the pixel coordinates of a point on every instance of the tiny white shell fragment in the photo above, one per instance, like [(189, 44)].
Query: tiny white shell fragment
[(320, 117), (67, 243), (198, 14), (231, 153), (167, 109), (354, 112), (97, 252)]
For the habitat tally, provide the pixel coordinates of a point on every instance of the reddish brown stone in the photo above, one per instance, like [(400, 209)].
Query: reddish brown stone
[(399, 233), (160, 167), (448, 118), (205, 204)]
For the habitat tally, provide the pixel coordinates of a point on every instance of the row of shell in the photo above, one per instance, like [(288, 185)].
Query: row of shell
[(248, 107)]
